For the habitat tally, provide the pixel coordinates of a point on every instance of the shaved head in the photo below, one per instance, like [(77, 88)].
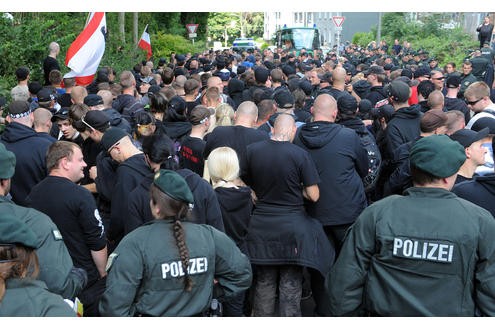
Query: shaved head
[(325, 108)]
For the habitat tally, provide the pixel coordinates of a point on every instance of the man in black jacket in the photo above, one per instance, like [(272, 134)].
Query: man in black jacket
[(404, 125), (375, 75), (342, 195)]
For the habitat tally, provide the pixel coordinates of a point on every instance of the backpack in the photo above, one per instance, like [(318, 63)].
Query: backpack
[(374, 160)]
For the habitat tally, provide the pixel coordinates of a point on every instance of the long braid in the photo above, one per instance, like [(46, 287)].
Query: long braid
[(183, 251)]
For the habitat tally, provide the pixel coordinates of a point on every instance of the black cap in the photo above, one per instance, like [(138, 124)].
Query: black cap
[(466, 137), (97, 120), (19, 108), (45, 94), (347, 104), (484, 122), (284, 99), (453, 81), (376, 69), (93, 100), (62, 114), (422, 71), (398, 90)]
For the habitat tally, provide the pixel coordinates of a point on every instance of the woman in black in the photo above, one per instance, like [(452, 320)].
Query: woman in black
[(485, 31)]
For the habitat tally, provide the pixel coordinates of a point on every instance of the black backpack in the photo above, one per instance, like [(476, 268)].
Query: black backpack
[(374, 160)]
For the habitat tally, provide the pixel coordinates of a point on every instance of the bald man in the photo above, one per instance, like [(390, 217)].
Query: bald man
[(342, 194), (50, 62), (42, 123), (78, 94), (282, 176), (436, 100), (238, 136)]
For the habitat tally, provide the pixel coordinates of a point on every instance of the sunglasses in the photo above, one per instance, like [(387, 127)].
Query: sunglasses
[(472, 103), (111, 148), (438, 78)]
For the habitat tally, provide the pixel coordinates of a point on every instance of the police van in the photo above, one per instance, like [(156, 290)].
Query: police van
[(243, 44)]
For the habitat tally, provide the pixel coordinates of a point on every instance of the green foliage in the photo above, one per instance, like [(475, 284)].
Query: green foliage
[(165, 44), (444, 44), (363, 38)]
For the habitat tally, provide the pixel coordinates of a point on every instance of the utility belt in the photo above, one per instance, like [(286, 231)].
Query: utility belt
[(215, 310)]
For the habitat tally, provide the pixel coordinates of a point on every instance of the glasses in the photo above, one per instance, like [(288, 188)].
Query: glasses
[(438, 78), (86, 123), (472, 103)]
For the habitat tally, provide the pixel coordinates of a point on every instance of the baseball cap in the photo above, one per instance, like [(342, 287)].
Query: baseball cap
[(284, 99), (111, 137), (347, 104), (422, 71), (93, 100), (326, 77), (19, 108), (62, 114), (466, 137), (437, 155), (375, 69), (199, 114), (224, 74), (484, 122), (453, 81), (45, 94), (398, 90), (96, 119)]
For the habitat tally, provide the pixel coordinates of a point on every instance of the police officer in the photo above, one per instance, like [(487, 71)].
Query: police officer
[(166, 267), (21, 295), (427, 253)]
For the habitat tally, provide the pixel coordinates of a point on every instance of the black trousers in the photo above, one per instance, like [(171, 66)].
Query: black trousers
[(90, 297)]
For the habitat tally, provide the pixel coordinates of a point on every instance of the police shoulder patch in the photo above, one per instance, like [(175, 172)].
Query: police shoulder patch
[(57, 235), (110, 261)]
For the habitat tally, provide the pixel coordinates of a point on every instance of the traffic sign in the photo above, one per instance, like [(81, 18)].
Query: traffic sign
[(338, 20), (192, 35), (191, 28)]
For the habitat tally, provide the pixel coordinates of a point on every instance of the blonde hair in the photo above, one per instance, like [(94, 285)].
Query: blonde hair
[(223, 166), (224, 114)]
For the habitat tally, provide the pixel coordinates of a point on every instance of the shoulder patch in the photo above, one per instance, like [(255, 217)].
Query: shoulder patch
[(57, 235), (110, 260)]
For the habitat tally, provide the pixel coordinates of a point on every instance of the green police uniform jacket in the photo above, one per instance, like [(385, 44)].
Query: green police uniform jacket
[(145, 274), (31, 298), (428, 253), (56, 266)]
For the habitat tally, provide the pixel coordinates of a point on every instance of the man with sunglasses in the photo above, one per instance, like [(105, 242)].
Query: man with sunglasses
[(477, 96), (438, 79)]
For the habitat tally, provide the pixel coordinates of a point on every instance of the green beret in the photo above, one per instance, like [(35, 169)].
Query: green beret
[(438, 155), (7, 163), (174, 185), (15, 231)]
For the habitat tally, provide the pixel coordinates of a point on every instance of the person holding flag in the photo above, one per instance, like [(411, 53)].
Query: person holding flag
[(85, 53), (145, 43)]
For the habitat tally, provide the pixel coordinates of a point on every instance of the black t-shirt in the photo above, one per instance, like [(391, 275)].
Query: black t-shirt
[(73, 209), (191, 154), (49, 64), (277, 172), (236, 137)]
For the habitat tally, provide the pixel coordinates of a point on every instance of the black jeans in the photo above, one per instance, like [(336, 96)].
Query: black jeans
[(288, 279)]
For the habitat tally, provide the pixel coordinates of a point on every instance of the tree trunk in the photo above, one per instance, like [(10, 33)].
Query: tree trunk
[(122, 27), (135, 27)]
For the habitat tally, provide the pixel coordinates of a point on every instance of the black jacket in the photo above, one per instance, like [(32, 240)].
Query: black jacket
[(342, 162), (402, 128), (206, 209), (480, 190), (30, 151), (376, 94)]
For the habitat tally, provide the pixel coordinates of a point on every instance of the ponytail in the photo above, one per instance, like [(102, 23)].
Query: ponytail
[(180, 241)]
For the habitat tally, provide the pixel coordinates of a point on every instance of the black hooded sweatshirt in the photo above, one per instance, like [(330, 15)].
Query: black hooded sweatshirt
[(342, 162), (402, 128), (480, 191)]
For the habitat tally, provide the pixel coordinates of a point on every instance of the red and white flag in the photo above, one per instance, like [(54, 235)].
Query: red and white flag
[(85, 53), (145, 43)]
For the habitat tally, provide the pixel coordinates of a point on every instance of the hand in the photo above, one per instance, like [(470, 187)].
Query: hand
[(93, 172)]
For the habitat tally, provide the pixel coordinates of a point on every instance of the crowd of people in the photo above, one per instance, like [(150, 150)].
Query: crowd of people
[(240, 184)]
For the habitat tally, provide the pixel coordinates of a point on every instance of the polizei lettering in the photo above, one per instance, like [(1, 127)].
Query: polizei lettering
[(175, 270), (423, 250)]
